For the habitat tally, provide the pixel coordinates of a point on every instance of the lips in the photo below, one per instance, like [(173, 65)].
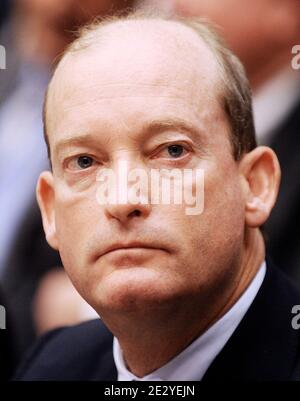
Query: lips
[(131, 245)]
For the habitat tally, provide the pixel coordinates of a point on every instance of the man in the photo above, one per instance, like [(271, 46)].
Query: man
[(181, 296), (263, 33)]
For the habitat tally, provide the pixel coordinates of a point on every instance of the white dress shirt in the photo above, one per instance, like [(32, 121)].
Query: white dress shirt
[(193, 361)]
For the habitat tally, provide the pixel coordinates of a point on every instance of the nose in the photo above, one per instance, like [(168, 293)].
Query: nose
[(126, 207), (125, 213)]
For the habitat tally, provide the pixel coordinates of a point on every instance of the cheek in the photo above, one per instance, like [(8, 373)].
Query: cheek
[(219, 227), (224, 207), (75, 216), (221, 224)]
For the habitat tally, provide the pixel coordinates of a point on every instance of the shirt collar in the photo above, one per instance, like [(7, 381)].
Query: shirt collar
[(193, 361)]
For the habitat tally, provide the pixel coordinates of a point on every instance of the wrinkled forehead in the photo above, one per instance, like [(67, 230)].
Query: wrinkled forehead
[(125, 56)]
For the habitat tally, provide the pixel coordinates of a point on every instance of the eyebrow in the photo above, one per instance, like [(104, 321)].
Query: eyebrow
[(155, 127), (83, 139), (159, 126)]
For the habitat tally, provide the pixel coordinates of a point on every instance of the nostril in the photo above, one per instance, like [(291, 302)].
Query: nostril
[(135, 213)]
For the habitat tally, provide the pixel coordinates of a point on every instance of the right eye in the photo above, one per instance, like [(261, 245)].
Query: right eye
[(81, 162), (84, 162)]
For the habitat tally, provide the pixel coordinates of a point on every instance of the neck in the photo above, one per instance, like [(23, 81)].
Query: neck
[(146, 343)]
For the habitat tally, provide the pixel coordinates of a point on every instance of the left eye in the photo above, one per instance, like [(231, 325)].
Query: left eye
[(175, 150)]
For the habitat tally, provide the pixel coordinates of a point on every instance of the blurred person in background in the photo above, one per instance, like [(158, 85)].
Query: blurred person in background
[(262, 33), (37, 32)]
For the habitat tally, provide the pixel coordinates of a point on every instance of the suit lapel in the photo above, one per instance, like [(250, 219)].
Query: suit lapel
[(264, 346), (106, 370)]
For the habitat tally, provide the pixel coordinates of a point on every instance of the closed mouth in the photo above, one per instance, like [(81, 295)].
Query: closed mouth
[(131, 246)]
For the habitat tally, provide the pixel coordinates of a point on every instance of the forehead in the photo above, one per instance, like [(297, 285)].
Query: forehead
[(136, 61)]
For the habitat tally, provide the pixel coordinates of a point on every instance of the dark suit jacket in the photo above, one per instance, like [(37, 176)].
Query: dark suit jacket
[(283, 226), (8, 353), (263, 347)]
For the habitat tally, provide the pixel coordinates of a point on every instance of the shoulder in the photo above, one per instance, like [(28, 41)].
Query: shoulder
[(265, 345), (81, 352)]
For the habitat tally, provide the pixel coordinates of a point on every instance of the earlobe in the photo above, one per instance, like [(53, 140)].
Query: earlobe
[(45, 197), (261, 175)]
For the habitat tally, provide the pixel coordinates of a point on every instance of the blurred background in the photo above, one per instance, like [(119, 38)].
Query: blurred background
[(33, 286)]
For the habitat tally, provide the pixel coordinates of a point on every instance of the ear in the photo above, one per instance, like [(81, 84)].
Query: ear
[(260, 173), (45, 197)]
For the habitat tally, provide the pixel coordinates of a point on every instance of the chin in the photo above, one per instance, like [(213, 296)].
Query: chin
[(132, 289)]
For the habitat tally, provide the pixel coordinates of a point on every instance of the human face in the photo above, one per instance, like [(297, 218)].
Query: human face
[(103, 103)]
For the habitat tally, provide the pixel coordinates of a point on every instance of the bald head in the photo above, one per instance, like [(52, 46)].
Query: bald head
[(153, 52)]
